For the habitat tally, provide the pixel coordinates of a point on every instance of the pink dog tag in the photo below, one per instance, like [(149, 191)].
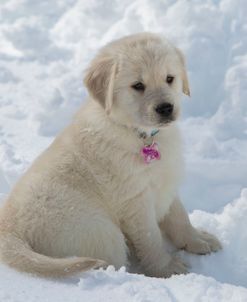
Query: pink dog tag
[(150, 153)]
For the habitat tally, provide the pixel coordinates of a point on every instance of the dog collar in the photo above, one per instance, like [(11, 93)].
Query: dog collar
[(149, 151)]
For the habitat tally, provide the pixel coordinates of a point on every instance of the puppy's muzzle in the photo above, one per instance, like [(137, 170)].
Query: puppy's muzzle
[(165, 110)]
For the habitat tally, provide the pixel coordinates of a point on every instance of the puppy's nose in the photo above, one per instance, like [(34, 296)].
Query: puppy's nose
[(164, 109)]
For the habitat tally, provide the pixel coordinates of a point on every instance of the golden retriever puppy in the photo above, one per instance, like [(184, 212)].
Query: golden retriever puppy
[(112, 176)]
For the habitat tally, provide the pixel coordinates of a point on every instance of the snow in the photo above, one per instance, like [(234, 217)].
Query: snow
[(44, 48), (119, 286)]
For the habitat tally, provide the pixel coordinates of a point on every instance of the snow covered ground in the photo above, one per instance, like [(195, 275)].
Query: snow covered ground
[(44, 48)]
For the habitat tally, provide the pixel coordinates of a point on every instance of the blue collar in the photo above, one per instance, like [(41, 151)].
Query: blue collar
[(148, 139)]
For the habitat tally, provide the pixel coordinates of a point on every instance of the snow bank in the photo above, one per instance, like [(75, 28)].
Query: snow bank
[(117, 286), (3, 185), (230, 264), (44, 48)]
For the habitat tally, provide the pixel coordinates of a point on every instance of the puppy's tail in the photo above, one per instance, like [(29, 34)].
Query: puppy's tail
[(19, 255)]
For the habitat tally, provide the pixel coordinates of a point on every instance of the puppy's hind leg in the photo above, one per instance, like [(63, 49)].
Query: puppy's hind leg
[(113, 248), (104, 240), (178, 228)]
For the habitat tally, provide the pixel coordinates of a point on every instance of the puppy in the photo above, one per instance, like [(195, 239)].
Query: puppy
[(112, 176)]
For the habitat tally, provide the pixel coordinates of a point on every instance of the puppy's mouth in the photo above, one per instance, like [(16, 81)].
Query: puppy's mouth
[(158, 123), (152, 119), (164, 122)]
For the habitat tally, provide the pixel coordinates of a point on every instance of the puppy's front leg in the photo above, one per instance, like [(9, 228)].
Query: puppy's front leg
[(178, 228), (141, 228)]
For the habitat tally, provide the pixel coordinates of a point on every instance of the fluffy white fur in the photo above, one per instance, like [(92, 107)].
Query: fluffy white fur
[(90, 195)]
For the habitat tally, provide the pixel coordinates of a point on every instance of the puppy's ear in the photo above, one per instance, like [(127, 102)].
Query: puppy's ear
[(186, 86), (99, 80)]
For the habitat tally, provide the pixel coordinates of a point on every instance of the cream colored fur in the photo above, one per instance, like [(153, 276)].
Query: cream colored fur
[(90, 196)]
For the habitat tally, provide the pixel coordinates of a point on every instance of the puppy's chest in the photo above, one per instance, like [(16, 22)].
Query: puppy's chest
[(158, 180), (162, 185)]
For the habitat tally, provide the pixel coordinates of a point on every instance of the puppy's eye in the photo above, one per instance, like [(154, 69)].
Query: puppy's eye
[(139, 86), (169, 79)]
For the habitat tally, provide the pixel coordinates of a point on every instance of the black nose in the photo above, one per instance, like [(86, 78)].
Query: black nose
[(164, 109)]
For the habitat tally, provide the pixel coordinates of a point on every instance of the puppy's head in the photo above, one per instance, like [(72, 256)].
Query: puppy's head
[(138, 80)]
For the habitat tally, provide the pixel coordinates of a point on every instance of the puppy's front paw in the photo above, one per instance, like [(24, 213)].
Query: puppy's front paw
[(176, 266), (202, 243)]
